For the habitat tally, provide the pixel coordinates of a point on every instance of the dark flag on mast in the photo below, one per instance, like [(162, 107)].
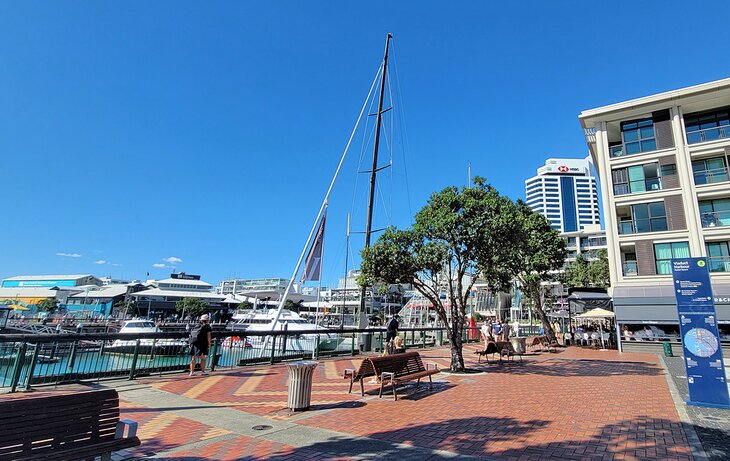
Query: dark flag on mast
[(313, 265)]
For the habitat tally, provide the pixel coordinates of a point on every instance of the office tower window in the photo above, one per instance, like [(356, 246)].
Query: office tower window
[(718, 255), (638, 136), (709, 170), (707, 126)]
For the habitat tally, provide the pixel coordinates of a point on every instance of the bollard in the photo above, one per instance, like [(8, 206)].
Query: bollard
[(213, 351), (668, 350), (353, 345), (440, 338), (315, 352), (31, 369)]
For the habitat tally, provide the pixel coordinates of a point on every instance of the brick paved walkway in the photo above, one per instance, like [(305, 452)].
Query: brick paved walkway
[(574, 404)]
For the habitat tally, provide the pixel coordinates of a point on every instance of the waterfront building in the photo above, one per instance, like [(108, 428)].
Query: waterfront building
[(102, 301), (234, 286), (160, 298), (50, 281), (565, 192), (587, 242), (663, 166)]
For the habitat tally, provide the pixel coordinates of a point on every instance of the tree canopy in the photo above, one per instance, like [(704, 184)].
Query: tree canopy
[(47, 305), (191, 306), (588, 273)]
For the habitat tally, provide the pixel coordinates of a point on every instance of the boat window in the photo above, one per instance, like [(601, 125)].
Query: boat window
[(140, 325)]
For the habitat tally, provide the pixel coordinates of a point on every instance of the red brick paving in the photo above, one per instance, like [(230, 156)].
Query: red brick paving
[(575, 404)]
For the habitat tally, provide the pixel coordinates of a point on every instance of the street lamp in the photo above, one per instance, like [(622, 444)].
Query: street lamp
[(4, 314)]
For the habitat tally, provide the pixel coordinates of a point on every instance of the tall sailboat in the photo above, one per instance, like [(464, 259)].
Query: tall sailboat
[(312, 242)]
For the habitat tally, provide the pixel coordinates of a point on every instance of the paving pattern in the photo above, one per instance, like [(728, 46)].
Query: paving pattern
[(576, 404)]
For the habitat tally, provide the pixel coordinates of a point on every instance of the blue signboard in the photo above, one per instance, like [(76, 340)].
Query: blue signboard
[(38, 283), (700, 337)]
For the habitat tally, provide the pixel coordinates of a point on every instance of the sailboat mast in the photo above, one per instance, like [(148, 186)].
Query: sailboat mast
[(374, 170)]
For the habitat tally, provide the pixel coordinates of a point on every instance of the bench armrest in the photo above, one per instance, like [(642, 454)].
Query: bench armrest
[(387, 375), (348, 373), (132, 432), (432, 365)]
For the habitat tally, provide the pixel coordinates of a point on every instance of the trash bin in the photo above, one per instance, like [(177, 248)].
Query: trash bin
[(668, 350), (300, 384), (365, 342)]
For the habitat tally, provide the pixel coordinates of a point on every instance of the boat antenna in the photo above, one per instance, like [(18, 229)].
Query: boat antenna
[(374, 170)]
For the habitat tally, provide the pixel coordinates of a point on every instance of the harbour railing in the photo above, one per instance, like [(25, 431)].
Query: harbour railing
[(28, 360)]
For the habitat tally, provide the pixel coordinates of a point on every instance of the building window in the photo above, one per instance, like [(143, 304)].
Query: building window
[(664, 252), (630, 266), (640, 178), (715, 213), (709, 170), (638, 136), (707, 126), (718, 255), (645, 217)]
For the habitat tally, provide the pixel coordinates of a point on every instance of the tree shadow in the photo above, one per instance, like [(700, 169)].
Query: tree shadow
[(640, 438), (573, 367)]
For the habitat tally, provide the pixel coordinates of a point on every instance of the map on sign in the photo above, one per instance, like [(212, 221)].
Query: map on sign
[(701, 342)]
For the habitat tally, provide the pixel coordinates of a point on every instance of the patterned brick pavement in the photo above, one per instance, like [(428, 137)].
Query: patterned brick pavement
[(575, 404)]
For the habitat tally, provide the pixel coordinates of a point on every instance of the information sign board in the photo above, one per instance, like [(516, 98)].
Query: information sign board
[(700, 336)]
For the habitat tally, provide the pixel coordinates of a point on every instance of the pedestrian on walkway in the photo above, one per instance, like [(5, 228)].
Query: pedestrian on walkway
[(391, 329), (200, 340)]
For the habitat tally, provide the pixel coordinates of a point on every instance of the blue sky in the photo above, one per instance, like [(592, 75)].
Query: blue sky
[(134, 132)]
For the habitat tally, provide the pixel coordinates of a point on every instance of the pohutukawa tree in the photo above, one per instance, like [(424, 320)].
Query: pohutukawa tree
[(460, 234), (538, 253)]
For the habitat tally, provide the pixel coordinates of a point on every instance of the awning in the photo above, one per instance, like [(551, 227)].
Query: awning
[(597, 313)]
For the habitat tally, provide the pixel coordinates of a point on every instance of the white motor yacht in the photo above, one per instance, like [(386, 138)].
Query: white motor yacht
[(146, 345), (263, 321)]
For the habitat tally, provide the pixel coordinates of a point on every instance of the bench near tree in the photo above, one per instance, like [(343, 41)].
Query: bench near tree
[(64, 427), (392, 370)]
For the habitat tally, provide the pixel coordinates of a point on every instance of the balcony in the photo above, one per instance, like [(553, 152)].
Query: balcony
[(631, 269), (712, 176), (638, 226), (708, 134), (616, 151), (719, 263), (637, 186), (715, 219)]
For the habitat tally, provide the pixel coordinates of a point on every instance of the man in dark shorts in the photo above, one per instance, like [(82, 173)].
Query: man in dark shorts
[(201, 338), (391, 329)]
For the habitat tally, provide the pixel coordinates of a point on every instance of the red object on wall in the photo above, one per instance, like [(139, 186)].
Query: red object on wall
[(472, 328)]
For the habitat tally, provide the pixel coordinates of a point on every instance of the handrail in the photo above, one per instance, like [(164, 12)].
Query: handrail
[(723, 131)]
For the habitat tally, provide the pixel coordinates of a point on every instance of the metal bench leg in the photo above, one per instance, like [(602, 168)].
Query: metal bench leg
[(430, 382), (382, 383), (395, 396), (362, 388), (352, 381), (418, 383)]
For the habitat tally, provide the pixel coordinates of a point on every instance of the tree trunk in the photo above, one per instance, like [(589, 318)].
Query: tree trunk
[(456, 342), (537, 302)]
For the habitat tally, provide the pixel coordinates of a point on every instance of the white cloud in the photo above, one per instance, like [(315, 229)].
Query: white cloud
[(173, 260), (69, 255), (101, 261), (158, 265)]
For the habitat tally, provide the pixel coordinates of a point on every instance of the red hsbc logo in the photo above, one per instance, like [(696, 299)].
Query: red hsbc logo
[(563, 169)]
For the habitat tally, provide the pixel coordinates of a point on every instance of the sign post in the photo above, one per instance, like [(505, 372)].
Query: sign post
[(700, 337)]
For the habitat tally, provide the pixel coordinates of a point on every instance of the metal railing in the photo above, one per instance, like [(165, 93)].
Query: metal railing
[(711, 176), (631, 269), (719, 263), (638, 226), (716, 219), (616, 151), (708, 134), (632, 187), (35, 359)]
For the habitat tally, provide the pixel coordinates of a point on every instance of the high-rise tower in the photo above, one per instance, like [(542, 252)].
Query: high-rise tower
[(565, 192)]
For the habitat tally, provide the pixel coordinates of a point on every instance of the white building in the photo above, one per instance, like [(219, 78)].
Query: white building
[(663, 165), (565, 192)]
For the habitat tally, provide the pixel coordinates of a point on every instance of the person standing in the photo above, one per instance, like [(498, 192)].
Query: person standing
[(200, 340), (391, 330), (497, 330)]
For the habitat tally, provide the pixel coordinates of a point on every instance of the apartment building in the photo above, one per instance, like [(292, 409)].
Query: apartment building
[(663, 164)]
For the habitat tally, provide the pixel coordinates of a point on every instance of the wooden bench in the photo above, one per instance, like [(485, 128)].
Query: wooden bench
[(365, 370), (401, 368), (503, 348), (69, 427)]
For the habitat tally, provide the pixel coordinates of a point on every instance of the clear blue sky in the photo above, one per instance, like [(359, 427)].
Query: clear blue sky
[(131, 132)]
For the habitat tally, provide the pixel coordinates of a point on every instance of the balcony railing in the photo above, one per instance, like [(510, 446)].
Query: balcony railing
[(631, 269), (638, 226), (716, 219), (708, 134), (711, 176), (719, 263), (649, 185)]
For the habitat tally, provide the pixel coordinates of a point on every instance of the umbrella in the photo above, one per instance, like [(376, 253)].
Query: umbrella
[(598, 313), (19, 307)]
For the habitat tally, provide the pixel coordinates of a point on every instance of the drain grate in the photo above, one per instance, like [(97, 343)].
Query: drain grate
[(261, 427)]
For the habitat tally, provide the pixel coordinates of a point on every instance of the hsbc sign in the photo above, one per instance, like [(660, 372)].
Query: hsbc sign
[(565, 169)]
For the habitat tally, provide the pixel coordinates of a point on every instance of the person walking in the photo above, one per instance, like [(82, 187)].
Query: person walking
[(200, 340)]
